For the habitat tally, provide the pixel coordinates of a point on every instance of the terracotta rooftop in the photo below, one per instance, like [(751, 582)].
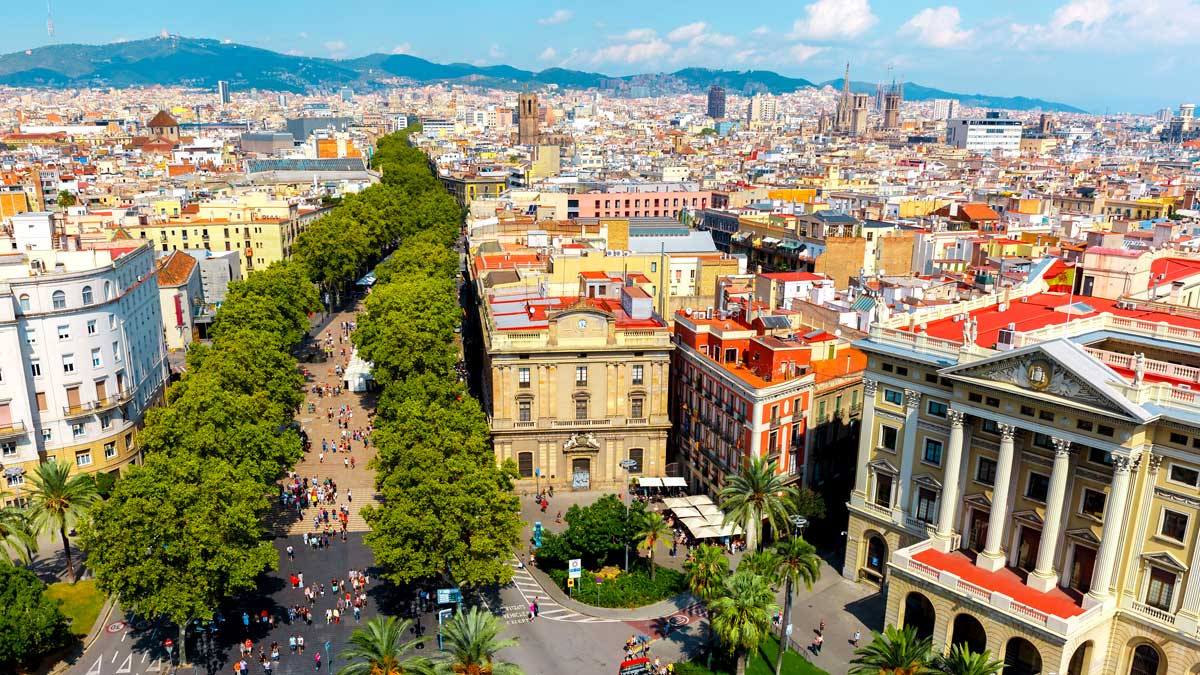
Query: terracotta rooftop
[(174, 269), (163, 119)]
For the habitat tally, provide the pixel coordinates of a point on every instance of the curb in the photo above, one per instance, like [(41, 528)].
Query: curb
[(102, 620)]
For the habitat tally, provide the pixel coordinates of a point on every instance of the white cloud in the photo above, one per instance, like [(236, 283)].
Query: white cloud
[(496, 51), (559, 16), (548, 54), (801, 52), (302, 35), (639, 35), (336, 47), (403, 48), (632, 53), (1114, 24), (746, 55), (761, 30), (834, 20), (938, 27), (688, 32)]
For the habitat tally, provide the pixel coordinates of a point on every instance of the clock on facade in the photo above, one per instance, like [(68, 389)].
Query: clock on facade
[(582, 324)]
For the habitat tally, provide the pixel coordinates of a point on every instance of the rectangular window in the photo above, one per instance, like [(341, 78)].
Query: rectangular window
[(91, 327), (78, 429), (1174, 525), (937, 408), (523, 377), (68, 361), (635, 408), (931, 378), (64, 332), (83, 458), (580, 376), (933, 451), (1083, 425), (773, 441), (8, 449), (1027, 410), (1099, 456), (992, 401), (985, 471), (637, 375), (902, 371), (35, 368), (97, 361), (110, 450), (116, 352), (30, 336), (887, 367), (524, 411), (581, 411), (1038, 487), (1160, 589), (1105, 430), (989, 426), (1185, 475), (894, 397), (883, 490), (1178, 439), (105, 420), (1043, 441), (1092, 503), (47, 434), (926, 505), (975, 397), (889, 437), (1046, 415)]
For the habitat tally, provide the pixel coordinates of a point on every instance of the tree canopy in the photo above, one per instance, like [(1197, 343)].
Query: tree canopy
[(31, 624)]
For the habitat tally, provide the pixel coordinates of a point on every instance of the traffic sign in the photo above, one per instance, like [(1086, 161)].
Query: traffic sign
[(446, 596), (168, 643), (575, 568), (599, 581), (570, 583)]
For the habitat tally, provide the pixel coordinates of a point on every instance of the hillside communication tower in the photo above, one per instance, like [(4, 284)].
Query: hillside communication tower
[(49, 21)]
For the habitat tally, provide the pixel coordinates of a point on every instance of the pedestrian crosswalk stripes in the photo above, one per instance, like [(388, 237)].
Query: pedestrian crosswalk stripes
[(529, 588)]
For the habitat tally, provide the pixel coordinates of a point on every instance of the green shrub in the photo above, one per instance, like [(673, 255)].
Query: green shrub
[(631, 589)]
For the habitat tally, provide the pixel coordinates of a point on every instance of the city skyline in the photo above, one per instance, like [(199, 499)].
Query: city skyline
[(1001, 52)]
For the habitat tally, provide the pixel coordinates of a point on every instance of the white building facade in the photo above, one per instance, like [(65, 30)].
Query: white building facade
[(996, 131)]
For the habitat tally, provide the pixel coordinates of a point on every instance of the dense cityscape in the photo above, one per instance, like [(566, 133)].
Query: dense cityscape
[(378, 365)]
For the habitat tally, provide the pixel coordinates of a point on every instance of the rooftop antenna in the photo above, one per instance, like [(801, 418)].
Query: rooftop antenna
[(49, 21)]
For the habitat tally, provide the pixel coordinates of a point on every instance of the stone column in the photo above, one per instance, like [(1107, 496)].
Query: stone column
[(948, 509), (908, 451), (1044, 576), (993, 557), (866, 437), (1113, 532), (1188, 618)]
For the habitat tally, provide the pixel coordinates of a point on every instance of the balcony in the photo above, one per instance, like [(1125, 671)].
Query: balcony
[(1002, 591), (1155, 613), (12, 430), (637, 420), (119, 398), (79, 409), (582, 423)]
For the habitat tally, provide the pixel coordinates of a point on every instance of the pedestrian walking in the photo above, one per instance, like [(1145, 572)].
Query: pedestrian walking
[(856, 638), (317, 661)]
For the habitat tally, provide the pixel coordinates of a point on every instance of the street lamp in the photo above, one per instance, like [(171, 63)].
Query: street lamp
[(537, 485), (629, 465), (799, 522)]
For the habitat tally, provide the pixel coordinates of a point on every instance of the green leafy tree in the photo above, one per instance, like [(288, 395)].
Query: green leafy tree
[(597, 533), (409, 328), (741, 616), (17, 535), (652, 531), (808, 503), (31, 624), (58, 501), (796, 562), (756, 493), (894, 652), (963, 661), (473, 641), (381, 647), (706, 574), (180, 534)]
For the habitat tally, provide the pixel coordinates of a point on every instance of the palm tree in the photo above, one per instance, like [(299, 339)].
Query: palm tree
[(741, 616), (16, 534), (705, 575), (895, 652), (653, 530), (762, 563), (471, 640), (379, 648), (58, 500), (754, 494), (963, 661), (797, 561)]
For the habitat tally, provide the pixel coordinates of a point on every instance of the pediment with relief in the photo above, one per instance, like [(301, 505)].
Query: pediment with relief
[(1057, 369)]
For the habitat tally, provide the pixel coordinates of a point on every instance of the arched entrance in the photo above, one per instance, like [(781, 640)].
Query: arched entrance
[(919, 614), (1021, 658), (877, 553), (1145, 661), (969, 631), (581, 475), (1080, 659)]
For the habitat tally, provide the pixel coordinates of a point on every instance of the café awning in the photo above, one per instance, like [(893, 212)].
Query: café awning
[(649, 481)]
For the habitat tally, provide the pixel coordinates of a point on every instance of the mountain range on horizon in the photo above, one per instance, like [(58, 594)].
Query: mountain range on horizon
[(200, 62)]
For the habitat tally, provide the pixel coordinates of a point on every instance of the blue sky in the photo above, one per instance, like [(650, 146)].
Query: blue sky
[(1097, 54)]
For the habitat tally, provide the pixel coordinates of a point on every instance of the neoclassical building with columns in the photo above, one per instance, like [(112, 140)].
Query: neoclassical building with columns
[(1028, 482)]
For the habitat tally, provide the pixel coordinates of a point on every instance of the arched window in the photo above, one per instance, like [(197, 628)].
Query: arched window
[(59, 300), (108, 290), (87, 295), (919, 614), (1021, 657), (969, 631), (24, 299), (636, 454), (1145, 661)]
